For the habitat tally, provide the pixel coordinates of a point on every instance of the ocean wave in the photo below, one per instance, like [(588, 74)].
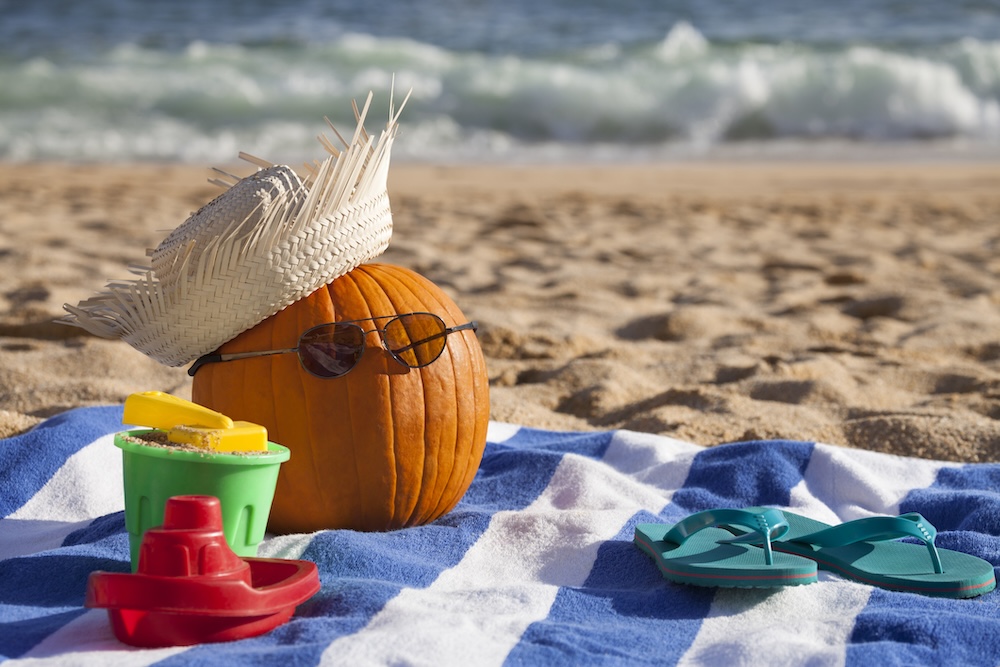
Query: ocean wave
[(208, 101)]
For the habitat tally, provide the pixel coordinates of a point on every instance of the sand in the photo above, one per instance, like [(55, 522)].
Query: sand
[(850, 303)]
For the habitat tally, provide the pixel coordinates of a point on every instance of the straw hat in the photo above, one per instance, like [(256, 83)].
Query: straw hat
[(268, 241)]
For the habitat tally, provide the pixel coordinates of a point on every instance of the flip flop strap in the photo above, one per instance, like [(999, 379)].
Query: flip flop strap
[(764, 526), (876, 529)]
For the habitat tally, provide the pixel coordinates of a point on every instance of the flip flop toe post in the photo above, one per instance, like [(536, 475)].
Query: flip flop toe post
[(698, 551)]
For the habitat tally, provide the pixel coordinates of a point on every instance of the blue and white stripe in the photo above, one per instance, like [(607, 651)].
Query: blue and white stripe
[(535, 565)]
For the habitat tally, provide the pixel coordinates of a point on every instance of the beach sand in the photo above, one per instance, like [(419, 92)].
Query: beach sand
[(850, 303)]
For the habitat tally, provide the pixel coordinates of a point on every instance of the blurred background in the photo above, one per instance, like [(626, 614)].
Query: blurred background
[(502, 81)]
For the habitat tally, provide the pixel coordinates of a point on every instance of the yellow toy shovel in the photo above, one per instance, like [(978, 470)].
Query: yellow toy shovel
[(192, 424)]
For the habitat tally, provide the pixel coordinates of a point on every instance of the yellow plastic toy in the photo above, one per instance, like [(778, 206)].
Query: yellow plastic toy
[(192, 424)]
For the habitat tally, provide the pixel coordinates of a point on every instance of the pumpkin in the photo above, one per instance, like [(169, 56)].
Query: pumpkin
[(382, 447)]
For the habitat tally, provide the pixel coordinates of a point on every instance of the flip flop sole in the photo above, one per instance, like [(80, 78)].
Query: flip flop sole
[(703, 561), (898, 566)]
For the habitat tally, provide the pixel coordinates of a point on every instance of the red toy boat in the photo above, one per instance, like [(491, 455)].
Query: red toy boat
[(191, 588)]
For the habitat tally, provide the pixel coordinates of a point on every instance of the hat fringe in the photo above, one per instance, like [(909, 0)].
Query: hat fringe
[(269, 240)]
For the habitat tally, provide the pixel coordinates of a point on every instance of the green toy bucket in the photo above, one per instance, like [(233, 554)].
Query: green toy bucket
[(243, 482)]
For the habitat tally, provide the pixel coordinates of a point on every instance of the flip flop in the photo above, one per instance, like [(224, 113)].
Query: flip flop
[(861, 550), (696, 552)]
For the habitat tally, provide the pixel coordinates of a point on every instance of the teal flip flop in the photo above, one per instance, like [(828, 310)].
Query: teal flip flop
[(696, 552), (864, 550)]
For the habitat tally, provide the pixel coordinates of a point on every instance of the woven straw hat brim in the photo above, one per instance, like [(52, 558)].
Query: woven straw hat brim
[(268, 241)]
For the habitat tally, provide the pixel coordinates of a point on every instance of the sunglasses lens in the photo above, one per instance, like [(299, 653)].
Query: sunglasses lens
[(416, 339), (331, 350)]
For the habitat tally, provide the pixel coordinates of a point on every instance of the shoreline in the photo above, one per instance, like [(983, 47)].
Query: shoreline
[(850, 303)]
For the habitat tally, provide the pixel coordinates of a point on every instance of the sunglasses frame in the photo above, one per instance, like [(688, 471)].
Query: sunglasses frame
[(216, 357)]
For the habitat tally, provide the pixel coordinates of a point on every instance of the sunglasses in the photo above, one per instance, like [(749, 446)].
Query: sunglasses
[(332, 350)]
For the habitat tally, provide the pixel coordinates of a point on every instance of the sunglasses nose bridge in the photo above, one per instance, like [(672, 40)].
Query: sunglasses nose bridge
[(377, 342), (377, 346), (378, 359)]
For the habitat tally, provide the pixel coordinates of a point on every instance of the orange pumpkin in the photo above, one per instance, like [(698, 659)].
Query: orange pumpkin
[(382, 447)]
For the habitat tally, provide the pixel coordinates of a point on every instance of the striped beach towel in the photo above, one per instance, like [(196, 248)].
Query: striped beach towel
[(535, 566)]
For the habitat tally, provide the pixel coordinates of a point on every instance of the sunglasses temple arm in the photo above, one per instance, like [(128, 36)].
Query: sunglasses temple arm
[(233, 356)]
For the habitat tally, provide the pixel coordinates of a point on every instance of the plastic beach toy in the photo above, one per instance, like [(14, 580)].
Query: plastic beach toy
[(188, 423), (243, 481), (191, 588)]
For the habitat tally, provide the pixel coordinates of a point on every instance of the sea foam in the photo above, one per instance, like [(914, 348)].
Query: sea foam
[(683, 94)]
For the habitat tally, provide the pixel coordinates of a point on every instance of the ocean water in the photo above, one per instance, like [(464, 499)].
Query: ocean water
[(493, 80)]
